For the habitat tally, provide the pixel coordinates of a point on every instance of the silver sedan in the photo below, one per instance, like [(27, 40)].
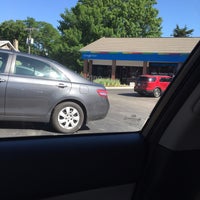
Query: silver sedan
[(37, 89)]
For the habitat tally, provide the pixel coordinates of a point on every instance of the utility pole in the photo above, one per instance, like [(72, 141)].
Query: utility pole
[(30, 40)]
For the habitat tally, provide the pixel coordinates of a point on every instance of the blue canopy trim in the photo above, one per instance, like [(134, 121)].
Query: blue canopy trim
[(136, 56)]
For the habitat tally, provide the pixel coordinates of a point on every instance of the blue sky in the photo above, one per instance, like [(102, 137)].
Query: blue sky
[(181, 12)]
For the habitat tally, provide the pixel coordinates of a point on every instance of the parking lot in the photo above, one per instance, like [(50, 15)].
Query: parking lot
[(128, 112)]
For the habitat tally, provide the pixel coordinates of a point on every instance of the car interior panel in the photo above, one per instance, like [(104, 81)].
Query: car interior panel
[(55, 166)]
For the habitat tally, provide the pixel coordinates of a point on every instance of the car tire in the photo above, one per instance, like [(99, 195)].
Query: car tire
[(67, 117), (156, 92)]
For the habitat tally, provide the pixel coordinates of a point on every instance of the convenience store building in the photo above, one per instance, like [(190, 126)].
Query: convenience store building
[(127, 58)]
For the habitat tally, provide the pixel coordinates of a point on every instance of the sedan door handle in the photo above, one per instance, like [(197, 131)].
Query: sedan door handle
[(62, 85)]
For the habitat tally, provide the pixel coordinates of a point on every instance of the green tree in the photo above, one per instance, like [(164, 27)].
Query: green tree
[(46, 37), (10, 30), (182, 32), (91, 20)]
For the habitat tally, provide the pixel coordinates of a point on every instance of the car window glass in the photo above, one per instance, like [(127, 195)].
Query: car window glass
[(165, 79), (152, 79), (129, 61), (3, 61), (145, 79), (32, 67)]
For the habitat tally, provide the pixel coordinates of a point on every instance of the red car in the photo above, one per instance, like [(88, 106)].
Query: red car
[(152, 84)]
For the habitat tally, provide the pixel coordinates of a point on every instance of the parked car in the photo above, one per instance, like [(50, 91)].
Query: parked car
[(152, 84), (37, 89)]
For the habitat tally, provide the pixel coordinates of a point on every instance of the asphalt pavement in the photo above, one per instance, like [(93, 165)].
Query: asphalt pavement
[(128, 112)]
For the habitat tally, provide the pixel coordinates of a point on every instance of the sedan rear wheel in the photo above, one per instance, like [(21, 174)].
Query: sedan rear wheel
[(68, 117)]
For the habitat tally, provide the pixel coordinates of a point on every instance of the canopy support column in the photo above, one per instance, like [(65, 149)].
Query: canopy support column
[(145, 65), (113, 69), (85, 69), (90, 67)]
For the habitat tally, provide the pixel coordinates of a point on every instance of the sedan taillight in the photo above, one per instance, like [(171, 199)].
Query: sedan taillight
[(102, 93)]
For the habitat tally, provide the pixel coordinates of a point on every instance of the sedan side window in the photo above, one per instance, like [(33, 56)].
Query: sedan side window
[(3, 61), (32, 67)]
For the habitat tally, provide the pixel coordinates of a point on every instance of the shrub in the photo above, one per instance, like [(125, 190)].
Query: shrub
[(108, 82)]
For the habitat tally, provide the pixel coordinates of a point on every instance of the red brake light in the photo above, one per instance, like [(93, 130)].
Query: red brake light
[(102, 93)]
